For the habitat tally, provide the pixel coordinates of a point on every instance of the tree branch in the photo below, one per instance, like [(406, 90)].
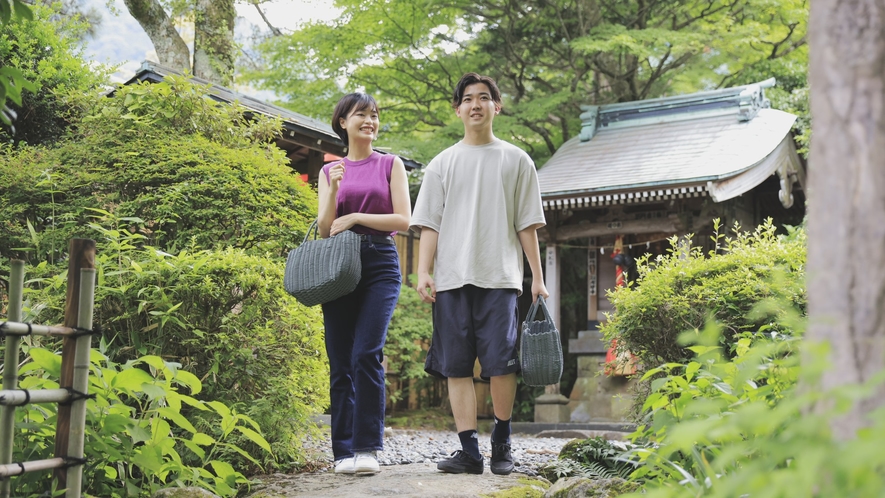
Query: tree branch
[(171, 49), (273, 29)]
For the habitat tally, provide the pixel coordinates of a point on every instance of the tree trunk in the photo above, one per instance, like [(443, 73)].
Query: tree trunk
[(846, 254), (171, 49), (214, 49)]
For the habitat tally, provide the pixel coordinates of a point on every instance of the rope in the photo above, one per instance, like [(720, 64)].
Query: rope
[(80, 332), (3, 326), (73, 462), (75, 396), (25, 402)]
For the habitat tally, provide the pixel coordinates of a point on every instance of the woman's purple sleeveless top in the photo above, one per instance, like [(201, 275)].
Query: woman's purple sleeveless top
[(365, 188)]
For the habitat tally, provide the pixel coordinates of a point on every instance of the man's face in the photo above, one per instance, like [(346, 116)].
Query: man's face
[(477, 109)]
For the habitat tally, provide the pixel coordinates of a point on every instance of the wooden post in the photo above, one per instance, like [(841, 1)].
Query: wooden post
[(592, 282), (81, 254), (551, 280), (10, 367), (81, 382), (314, 165)]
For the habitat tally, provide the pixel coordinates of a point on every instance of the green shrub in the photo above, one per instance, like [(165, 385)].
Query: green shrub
[(595, 458), (682, 290), (408, 338), (197, 173), (742, 427), (44, 49), (223, 315), (137, 440)]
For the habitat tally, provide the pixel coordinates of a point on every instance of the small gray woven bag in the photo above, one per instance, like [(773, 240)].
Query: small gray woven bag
[(540, 351), (322, 270)]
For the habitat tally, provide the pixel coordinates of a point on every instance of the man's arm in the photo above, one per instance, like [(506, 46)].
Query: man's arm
[(426, 253), (528, 239)]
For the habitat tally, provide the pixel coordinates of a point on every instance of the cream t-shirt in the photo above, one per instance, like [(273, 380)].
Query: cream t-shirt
[(478, 197)]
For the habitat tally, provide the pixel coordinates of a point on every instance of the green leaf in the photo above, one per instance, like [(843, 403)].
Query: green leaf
[(177, 418), (222, 469), (202, 439), (47, 360), (132, 379), (22, 10), (255, 438)]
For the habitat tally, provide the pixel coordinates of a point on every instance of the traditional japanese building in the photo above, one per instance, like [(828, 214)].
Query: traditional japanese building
[(642, 172)]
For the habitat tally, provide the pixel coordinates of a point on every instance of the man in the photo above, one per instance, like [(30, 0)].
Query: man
[(478, 210)]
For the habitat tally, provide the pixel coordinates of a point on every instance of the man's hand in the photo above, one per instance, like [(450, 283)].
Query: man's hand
[(538, 287), (426, 288)]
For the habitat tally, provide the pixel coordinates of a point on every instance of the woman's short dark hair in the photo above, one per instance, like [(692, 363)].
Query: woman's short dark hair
[(348, 103), (470, 79)]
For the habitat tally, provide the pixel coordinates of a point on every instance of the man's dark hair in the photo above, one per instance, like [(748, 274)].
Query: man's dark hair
[(471, 78), (348, 103)]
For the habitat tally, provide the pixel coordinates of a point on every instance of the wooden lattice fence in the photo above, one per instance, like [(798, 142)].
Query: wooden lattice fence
[(71, 396)]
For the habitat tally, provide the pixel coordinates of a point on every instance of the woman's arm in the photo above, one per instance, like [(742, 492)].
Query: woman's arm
[(327, 191), (396, 221)]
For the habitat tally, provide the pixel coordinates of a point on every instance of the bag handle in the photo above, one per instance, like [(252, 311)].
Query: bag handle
[(312, 228), (533, 310)]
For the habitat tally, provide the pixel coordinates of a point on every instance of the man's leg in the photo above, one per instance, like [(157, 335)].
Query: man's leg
[(503, 389), (463, 399)]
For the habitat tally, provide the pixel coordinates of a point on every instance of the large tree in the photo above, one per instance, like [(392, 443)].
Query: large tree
[(214, 50), (846, 257), (549, 56)]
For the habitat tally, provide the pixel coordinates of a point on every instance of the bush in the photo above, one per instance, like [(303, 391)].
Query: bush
[(45, 50), (194, 172), (223, 316), (682, 290), (136, 440), (595, 458), (742, 427), (408, 338)]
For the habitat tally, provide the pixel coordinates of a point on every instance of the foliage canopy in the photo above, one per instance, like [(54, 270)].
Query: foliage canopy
[(195, 172), (548, 57)]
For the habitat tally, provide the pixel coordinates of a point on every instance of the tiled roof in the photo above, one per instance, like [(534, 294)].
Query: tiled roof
[(293, 122), (678, 142)]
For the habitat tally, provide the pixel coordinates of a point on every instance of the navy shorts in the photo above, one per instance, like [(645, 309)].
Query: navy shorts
[(470, 323)]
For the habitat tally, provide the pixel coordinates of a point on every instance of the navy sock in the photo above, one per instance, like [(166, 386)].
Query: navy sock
[(470, 443), (501, 432)]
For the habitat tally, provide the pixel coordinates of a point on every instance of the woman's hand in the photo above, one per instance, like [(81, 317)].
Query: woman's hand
[(336, 174), (343, 223)]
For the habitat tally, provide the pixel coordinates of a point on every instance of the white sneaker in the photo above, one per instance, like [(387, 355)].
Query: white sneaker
[(345, 465), (366, 463)]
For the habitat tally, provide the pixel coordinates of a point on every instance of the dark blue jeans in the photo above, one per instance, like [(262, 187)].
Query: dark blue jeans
[(356, 328)]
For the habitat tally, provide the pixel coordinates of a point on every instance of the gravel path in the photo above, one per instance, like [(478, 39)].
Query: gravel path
[(409, 469), (406, 446)]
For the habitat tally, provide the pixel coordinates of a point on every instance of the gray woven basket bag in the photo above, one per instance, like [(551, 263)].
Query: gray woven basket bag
[(322, 270), (540, 351)]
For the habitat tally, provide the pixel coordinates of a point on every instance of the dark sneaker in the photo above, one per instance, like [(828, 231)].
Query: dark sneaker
[(501, 462), (461, 463)]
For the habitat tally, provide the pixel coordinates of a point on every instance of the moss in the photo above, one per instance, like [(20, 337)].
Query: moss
[(570, 449), (593, 488), (528, 488)]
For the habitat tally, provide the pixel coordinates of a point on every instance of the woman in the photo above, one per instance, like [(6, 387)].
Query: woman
[(367, 192)]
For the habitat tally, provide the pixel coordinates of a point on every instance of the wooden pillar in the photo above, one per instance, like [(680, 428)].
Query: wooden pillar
[(551, 280), (314, 165), (551, 407), (81, 254), (10, 367), (592, 282)]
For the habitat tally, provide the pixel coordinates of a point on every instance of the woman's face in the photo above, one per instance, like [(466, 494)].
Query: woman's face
[(361, 124)]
